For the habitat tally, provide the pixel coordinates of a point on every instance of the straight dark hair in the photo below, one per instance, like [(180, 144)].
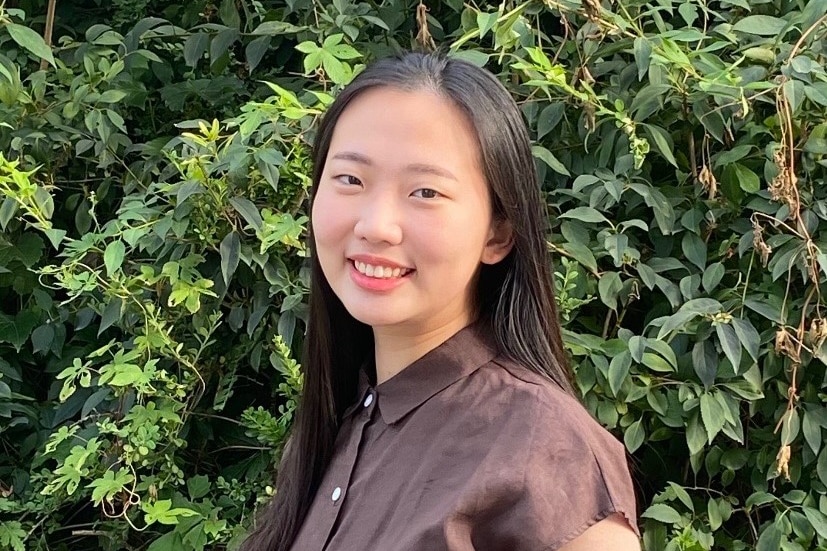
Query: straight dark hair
[(515, 296)]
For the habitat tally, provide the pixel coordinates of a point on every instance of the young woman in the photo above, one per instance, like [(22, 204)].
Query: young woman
[(437, 411)]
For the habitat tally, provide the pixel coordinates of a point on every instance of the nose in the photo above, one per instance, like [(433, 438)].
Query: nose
[(379, 222)]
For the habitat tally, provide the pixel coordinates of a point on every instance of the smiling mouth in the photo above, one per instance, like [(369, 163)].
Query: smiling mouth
[(380, 272)]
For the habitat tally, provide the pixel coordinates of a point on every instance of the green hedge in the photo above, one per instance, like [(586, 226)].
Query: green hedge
[(154, 178)]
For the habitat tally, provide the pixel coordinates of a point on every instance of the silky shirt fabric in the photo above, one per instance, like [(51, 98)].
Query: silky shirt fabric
[(465, 450)]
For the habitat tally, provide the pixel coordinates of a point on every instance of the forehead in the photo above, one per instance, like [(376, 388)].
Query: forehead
[(390, 125)]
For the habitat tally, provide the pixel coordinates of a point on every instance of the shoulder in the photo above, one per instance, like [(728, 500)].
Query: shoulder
[(555, 413), (576, 472)]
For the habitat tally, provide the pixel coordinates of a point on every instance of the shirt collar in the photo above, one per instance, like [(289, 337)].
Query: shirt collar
[(456, 358)]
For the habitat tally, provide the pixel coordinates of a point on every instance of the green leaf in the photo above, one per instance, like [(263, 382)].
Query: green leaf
[(112, 96), (42, 337), (194, 47), (714, 514), (229, 14), (712, 416), (812, 431), (111, 314), (663, 142), (647, 275), (248, 211), (198, 486), (794, 90), (729, 343), (702, 306), (31, 41), (643, 56), (821, 466), (278, 27), (221, 42), (485, 22), (344, 52), (110, 485), (255, 51), (762, 25), (790, 427), (171, 541), (162, 512), (7, 210), (662, 513), (582, 254), (770, 538), (608, 287), (16, 330), (121, 375), (637, 346), (549, 118), (694, 249), (770, 311), (548, 157), (12, 536), (817, 519), (617, 244), (332, 40), (688, 12), (55, 236), (735, 154), (682, 495), (758, 499), (230, 251), (339, 72), (712, 276), (619, 370), (634, 436), (113, 256), (657, 363), (747, 179), (308, 47), (664, 350), (584, 214), (696, 437), (705, 362), (748, 336)]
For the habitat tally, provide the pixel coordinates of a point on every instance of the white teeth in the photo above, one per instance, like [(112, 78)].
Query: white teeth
[(380, 272)]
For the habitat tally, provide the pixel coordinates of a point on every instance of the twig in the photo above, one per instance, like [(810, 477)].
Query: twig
[(47, 34)]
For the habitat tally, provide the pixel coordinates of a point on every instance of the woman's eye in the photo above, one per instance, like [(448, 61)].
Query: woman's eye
[(426, 193), (349, 180)]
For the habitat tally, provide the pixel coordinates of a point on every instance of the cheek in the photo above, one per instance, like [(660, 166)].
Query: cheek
[(455, 239), (329, 222)]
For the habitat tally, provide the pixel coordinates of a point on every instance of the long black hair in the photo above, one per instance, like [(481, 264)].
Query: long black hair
[(515, 296)]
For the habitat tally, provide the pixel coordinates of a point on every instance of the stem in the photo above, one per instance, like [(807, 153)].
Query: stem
[(47, 34)]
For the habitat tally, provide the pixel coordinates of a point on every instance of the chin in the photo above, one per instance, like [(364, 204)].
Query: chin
[(375, 319)]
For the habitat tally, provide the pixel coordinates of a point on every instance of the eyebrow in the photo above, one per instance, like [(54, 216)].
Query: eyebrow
[(417, 168)]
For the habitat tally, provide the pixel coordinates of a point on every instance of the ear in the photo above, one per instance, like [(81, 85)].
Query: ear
[(500, 241)]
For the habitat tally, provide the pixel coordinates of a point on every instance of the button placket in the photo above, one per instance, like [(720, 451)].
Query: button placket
[(339, 484)]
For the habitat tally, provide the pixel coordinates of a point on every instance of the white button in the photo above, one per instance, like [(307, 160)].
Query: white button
[(337, 493), (368, 400)]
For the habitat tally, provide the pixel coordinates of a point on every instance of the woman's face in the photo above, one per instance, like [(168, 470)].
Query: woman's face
[(402, 215)]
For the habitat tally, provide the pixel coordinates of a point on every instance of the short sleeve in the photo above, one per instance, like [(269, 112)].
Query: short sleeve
[(576, 475)]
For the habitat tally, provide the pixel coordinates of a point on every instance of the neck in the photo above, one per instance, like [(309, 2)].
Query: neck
[(397, 348)]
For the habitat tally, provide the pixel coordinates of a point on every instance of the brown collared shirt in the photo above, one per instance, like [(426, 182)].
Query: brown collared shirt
[(464, 450)]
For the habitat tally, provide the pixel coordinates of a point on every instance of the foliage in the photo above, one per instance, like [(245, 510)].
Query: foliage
[(153, 277)]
